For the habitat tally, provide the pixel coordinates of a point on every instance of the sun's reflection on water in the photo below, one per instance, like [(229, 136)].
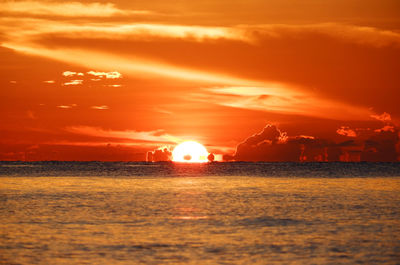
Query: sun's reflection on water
[(189, 202)]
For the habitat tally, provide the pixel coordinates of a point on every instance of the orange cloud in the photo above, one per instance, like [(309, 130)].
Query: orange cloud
[(385, 117), (346, 131), (70, 73), (386, 128), (112, 75), (65, 9), (157, 136), (73, 82), (283, 99), (350, 33), (102, 107), (64, 106), (131, 65)]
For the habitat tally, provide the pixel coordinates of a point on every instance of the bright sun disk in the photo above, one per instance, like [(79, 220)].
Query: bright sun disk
[(191, 152)]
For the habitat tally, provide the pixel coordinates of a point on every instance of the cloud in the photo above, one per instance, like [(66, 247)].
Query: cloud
[(384, 117), (157, 136), (65, 9), (253, 35), (280, 98), (67, 106), (148, 31), (131, 65), (255, 148), (49, 81), (111, 75), (102, 107), (70, 73), (290, 97), (160, 154), (382, 145), (346, 131), (363, 35), (73, 82), (386, 128), (64, 106), (136, 31)]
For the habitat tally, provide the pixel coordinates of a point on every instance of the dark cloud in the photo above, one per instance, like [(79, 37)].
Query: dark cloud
[(160, 154), (273, 145), (381, 146)]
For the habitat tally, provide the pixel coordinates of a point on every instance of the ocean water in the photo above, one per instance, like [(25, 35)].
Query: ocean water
[(219, 213)]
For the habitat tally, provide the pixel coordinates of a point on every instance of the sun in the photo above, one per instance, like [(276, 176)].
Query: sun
[(191, 152)]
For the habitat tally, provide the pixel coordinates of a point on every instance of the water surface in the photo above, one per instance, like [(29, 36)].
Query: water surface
[(223, 213)]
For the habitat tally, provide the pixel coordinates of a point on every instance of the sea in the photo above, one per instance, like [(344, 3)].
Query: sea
[(212, 213)]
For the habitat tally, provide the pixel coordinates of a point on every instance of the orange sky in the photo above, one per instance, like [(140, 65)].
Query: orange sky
[(112, 80)]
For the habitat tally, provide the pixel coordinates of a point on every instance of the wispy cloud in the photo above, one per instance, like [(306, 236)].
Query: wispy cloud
[(111, 75), (384, 117), (49, 81), (386, 128), (66, 9), (64, 106), (70, 73), (126, 31), (73, 82), (132, 65), (280, 98), (346, 131), (67, 106), (102, 107), (251, 34), (350, 33), (158, 136)]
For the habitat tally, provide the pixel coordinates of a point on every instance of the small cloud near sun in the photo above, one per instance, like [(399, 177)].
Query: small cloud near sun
[(160, 154), (186, 152)]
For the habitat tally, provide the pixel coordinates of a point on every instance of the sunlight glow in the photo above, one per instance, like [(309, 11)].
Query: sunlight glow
[(190, 152)]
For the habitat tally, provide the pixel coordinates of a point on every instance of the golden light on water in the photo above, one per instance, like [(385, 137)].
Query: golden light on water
[(190, 152)]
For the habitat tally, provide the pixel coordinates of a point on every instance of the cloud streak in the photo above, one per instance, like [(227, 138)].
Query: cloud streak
[(73, 82), (157, 136), (70, 73), (110, 75), (281, 98), (132, 65), (102, 107), (65, 9)]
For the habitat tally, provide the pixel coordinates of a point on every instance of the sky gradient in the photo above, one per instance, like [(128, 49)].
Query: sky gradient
[(251, 80)]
